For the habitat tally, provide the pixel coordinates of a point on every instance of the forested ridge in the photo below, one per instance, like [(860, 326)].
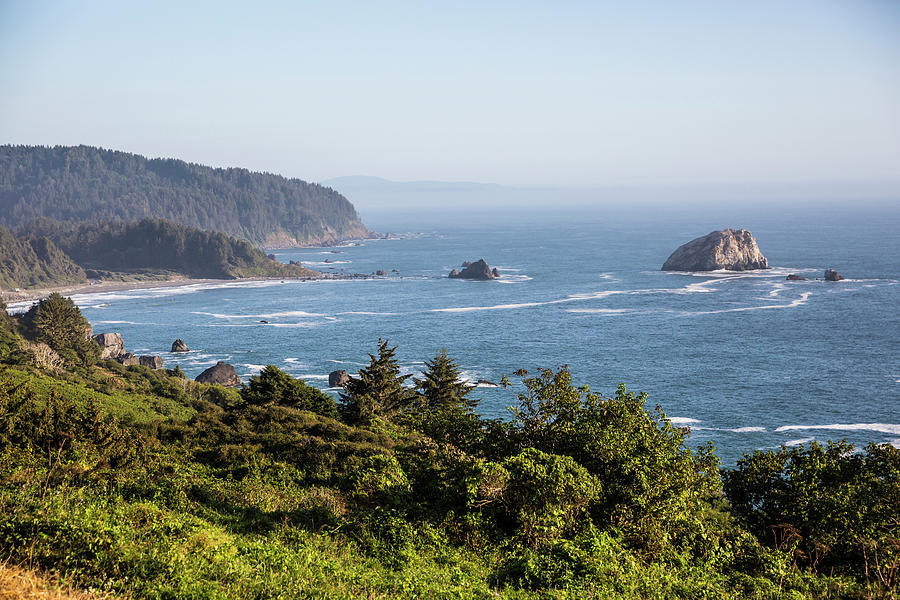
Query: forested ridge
[(49, 253), (88, 184), (142, 484), (34, 262)]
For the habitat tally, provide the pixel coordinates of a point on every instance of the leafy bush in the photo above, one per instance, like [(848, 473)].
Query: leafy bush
[(57, 322), (274, 386)]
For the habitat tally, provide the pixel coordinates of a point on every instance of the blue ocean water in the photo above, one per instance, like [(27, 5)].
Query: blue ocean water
[(747, 360)]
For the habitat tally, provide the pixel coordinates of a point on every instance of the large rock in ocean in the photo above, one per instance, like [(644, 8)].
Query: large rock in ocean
[(220, 374), (832, 275), (111, 345), (338, 378), (479, 270), (179, 346), (730, 249)]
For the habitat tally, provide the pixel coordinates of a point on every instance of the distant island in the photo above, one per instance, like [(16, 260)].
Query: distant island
[(81, 184)]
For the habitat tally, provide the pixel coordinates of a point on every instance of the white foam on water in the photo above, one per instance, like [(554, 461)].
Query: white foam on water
[(120, 323), (799, 441), (368, 313), (599, 311), (296, 362), (895, 443), (682, 420), (463, 309), (274, 315), (301, 325), (312, 376), (254, 368), (877, 427), (346, 362), (746, 429), (793, 304)]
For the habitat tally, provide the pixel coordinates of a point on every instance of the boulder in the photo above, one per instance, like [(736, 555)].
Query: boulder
[(179, 346), (381, 272), (272, 257), (154, 362), (111, 345), (128, 359), (338, 378), (729, 249), (220, 374), (832, 275), (793, 277), (479, 270)]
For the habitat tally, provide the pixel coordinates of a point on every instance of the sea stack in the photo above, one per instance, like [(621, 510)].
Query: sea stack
[(179, 346), (729, 249), (479, 270), (832, 275)]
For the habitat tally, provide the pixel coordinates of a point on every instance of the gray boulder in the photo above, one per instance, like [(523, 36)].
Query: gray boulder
[(479, 270), (338, 378), (730, 249), (128, 359), (381, 272), (793, 277), (111, 345), (179, 346), (154, 362), (832, 275), (220, 374)]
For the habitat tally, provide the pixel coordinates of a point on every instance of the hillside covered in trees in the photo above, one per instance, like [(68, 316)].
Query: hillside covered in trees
[(35, 262), (49, 253), (87, 184), (139, 483)]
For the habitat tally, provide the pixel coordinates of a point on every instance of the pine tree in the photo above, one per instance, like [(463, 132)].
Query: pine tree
[(378, 391), (443, 387)]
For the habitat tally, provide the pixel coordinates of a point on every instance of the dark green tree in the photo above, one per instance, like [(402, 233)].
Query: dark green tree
[(58, 322), (444, 411), (274, 386), (378, 391), (442, 386)]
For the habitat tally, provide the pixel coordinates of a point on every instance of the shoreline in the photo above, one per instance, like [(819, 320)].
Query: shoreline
[(33, 295)]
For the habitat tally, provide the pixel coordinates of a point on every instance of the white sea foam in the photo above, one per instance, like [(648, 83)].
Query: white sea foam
[(877, 427), (254, 368), (274, 315), (799, 441), (312, 376), (682, 420), (120, 323), (368, 313), (746, 429), (599, 311), (793, 304), (296, 362)]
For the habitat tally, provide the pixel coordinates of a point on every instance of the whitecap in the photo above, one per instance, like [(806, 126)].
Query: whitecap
[(599, 311), (746, 429), (799, 441), (312, 376), (793, 304), (682, 420), (877, 427)]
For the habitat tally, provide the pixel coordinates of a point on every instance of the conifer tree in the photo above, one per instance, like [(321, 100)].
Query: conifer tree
[(378, 391), (442, 386)]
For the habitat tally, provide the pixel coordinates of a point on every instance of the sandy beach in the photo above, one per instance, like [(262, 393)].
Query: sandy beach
[(114, 286)]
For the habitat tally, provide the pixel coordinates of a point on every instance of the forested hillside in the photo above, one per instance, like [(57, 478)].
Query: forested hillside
[(34, 262), (49, 253), (90, 184)]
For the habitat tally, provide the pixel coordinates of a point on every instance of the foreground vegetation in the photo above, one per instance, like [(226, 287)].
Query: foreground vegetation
[(145, 484)]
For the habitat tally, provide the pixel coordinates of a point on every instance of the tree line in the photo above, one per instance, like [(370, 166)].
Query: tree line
[(88, 184)]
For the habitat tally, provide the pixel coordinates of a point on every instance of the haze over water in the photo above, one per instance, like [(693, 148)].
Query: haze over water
[(747, 360)]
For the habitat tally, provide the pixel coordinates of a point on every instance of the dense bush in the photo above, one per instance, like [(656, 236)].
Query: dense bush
[(57, 322), (197, 491)]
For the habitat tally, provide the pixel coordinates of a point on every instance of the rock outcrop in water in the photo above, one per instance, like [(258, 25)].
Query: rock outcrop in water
[(220, 374), (730, 249), (179, 346), (479, 270), (793, 277), (111, 345), (832, 275), (338, 378)]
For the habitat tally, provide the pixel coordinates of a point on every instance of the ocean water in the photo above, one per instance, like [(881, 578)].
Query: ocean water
[(747, 360)]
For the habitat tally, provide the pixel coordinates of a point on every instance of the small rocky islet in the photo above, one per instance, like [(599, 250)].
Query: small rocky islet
[(726, 249), (478, 270)]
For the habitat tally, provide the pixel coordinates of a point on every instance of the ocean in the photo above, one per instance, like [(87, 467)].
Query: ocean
[(747, 360)]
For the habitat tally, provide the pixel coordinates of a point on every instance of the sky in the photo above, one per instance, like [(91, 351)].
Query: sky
[(520, 93)]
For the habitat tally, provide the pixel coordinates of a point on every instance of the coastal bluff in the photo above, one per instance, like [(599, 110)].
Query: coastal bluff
[(728, 249)]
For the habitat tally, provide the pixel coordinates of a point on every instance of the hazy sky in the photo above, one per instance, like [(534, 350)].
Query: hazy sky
[(521, 93)]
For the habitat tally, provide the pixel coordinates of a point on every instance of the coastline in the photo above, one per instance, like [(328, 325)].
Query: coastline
[(118, 286)]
